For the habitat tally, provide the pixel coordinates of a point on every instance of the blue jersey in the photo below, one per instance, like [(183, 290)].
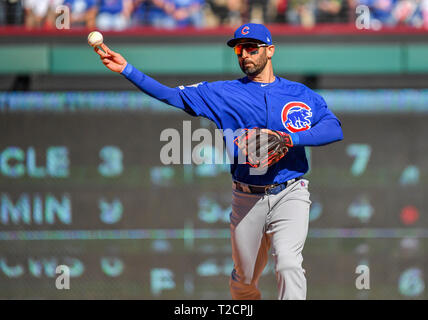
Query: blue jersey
[(281, 105), (110, 6), (380, 9), (80, 6)]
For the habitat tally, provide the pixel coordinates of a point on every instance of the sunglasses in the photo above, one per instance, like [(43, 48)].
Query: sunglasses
[(251, 47)]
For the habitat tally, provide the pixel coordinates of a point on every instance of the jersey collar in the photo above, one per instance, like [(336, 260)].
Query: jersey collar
[(262, 84)]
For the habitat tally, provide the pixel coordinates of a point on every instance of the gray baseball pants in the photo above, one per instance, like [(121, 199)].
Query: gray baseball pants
[(259, 221)]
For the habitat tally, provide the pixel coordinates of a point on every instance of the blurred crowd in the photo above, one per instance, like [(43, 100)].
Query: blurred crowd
[(122, 14)]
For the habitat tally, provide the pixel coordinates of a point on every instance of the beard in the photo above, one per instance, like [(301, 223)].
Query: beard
[(256, 67)]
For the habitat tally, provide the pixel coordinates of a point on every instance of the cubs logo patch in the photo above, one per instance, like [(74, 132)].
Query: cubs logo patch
[(245, 30), (296, 116)]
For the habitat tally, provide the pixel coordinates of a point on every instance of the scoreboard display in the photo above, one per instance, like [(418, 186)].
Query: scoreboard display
[(86, 189)]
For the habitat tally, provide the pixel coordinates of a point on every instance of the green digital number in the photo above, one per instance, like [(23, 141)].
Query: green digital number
[(112, 161), (362, 153)]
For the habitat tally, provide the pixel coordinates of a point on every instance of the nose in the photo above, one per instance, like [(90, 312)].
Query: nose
[(244, 53)]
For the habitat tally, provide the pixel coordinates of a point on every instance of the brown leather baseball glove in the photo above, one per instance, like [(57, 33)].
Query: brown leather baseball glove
[(263, 147)]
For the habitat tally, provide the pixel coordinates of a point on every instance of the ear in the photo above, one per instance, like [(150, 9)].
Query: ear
[(270, 51)]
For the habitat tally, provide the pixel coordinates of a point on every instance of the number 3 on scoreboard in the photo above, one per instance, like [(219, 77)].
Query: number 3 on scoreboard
[(112, 165)]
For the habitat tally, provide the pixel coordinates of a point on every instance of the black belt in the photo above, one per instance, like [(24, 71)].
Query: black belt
[(268, 189)]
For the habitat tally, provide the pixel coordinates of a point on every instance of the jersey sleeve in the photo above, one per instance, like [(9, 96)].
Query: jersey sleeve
[(325, 127), (203, 99)]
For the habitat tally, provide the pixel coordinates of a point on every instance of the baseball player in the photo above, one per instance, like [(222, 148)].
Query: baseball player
[(269, 210)]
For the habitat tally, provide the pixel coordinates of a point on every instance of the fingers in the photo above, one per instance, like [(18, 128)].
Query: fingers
[(101, 53), (107, 49), (106, 61)]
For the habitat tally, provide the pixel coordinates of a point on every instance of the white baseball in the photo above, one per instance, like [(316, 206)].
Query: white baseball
[(95, 38)]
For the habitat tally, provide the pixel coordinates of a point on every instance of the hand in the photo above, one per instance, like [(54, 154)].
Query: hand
[(112, 60)]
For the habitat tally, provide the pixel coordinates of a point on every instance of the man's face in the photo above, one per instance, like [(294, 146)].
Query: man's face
[(251, 61)]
